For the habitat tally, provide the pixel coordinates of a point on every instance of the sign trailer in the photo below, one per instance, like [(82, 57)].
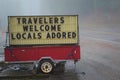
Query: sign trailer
[(43, 40)]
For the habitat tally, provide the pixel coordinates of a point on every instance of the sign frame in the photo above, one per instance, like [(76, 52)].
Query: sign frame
[(44, 16)]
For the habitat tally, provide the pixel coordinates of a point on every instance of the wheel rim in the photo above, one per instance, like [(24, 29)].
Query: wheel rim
[(46, 67)]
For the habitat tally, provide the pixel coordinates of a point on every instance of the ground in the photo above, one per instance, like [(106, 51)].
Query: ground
[(100, 50)]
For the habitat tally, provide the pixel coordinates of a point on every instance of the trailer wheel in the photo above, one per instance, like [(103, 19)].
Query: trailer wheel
[(46, 66)]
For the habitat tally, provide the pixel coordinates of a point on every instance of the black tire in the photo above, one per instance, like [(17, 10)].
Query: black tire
[(46, 66)]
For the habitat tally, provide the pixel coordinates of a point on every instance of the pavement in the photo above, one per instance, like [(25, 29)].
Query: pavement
[(100, 60), (100, 52)]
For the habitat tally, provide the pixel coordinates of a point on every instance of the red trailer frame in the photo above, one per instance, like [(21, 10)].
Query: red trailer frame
[(36, 53)]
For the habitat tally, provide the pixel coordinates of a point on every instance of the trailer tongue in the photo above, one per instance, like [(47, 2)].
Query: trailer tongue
[(43, 40)]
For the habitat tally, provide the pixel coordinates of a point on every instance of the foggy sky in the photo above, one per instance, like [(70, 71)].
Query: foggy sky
[(84, 8)]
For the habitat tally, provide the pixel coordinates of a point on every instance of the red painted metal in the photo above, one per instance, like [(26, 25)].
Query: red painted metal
[(70, 52)]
